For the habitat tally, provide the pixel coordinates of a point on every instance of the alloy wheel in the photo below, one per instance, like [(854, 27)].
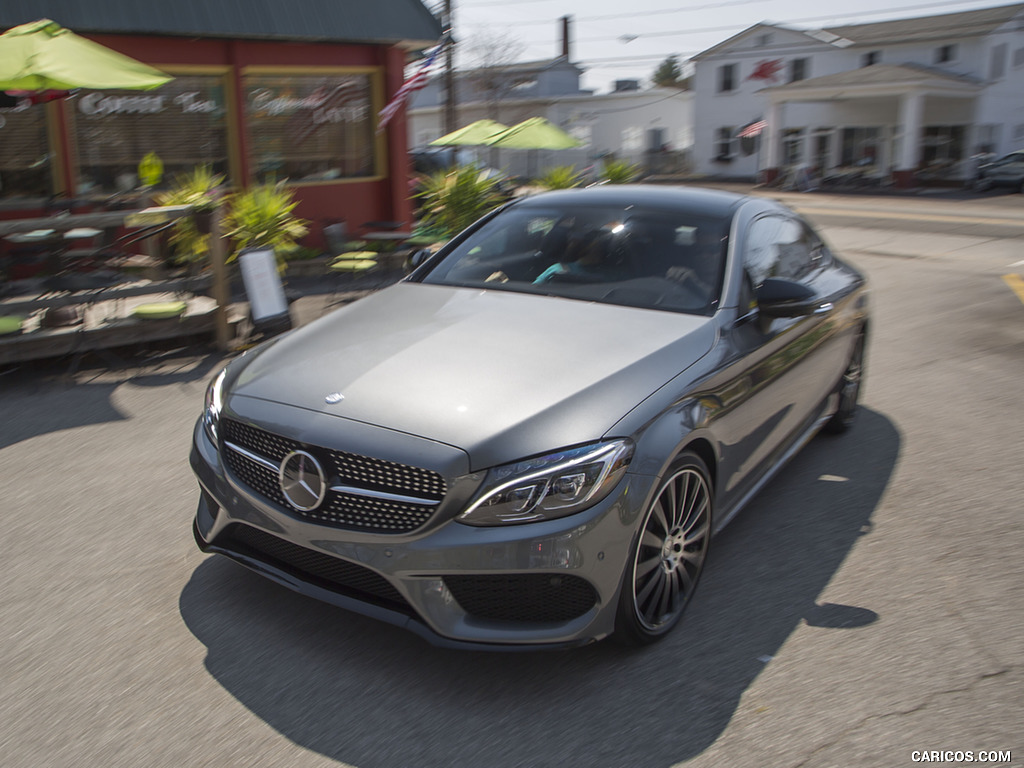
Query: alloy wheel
[(672, 548)]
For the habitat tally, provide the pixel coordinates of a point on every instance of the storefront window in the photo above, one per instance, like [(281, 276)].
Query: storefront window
[(310, 127), (25, 170), (128, 139)]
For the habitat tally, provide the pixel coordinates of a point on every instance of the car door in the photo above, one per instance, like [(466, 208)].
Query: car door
[(784, 367), (1008, 170)]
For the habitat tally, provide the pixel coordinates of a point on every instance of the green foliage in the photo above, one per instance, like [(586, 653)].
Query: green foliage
[(560, 177), (620, 172), (262, 216), (669, 74), (454, 199), (200, 188)]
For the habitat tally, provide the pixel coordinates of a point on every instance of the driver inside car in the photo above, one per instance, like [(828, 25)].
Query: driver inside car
[(702, 264), (594, 257)]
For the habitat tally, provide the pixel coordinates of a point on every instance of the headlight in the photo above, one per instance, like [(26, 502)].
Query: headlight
[(549, 486), (213, 405)]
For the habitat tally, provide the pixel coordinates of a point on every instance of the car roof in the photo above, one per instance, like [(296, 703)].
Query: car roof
[(694, 200)]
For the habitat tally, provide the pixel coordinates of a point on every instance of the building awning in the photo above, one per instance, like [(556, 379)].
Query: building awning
[(876, 80)]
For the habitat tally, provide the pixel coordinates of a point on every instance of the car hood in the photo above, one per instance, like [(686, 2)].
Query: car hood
[(497, 374)]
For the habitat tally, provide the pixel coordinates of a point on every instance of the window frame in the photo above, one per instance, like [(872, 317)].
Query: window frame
[(947, 54), (378, 141), (727, 76), (724, 139), (803, 64), (231, 160)]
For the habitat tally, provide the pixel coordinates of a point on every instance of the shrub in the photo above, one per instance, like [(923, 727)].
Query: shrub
[(620, 172), (454, 199), (262, 216), (199, 188), (561, 177)]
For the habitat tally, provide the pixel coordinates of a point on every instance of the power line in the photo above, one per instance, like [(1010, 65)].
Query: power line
[(696, 30), (615, 16)]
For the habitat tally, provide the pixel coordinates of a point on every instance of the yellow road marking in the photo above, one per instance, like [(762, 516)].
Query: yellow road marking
[(1016, 283)]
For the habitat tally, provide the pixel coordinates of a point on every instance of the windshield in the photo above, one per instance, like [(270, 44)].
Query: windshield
[(652, 259)]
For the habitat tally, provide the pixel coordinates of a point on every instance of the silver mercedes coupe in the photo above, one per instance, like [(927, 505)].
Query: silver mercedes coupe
[(530, 440)]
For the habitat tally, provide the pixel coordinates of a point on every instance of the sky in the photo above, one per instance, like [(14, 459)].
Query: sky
[(628, 39)]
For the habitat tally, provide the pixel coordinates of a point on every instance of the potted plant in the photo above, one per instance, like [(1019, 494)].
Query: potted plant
[(454, 199), (200, 189), (263, 216)]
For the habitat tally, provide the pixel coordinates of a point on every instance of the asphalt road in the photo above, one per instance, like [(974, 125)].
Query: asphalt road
[(867, 605)]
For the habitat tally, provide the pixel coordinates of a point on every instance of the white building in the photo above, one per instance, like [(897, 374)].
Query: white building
[(649, 127), (901, 100)]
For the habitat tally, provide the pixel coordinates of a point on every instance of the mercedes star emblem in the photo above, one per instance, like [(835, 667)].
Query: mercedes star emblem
[(302, 481)]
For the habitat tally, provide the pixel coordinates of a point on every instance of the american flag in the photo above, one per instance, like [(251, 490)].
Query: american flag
[(414, 83), (753, 129)]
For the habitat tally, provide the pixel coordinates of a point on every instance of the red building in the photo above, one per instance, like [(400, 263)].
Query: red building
[(259, 93)]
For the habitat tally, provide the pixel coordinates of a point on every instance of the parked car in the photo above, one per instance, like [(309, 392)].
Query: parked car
[(1007, 171), (531, 440)]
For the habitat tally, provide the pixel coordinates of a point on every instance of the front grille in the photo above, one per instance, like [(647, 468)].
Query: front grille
[(523, 596), (339, 576), (351, 511)]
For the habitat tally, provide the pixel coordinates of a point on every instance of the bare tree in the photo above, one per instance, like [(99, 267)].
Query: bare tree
[(492, 76)]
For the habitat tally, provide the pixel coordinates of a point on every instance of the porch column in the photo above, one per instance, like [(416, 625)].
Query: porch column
[(911, 115), (770, 141)]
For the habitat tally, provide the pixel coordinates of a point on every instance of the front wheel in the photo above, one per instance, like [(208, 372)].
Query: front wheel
[(668, 555), (849, 390)]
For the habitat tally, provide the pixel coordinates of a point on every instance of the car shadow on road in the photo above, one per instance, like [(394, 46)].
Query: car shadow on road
[(45, 398), (374, 696), (35, 408)]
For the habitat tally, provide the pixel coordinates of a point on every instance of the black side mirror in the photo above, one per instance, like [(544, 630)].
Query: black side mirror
[(419, 257), (779, 297)]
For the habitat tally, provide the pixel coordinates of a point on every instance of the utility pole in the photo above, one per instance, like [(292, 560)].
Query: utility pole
[(449, 69)]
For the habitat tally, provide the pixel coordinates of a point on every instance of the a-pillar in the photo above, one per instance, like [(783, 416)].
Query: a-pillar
[(909, 138)]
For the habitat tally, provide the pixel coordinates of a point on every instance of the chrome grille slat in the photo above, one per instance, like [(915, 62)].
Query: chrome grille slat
[(365, 494)]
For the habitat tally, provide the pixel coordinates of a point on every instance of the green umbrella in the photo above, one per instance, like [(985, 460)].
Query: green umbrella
[(43, 56), (472, 135), (535, 133)]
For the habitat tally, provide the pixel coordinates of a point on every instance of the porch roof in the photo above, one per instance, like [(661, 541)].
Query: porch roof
[(876, 80)]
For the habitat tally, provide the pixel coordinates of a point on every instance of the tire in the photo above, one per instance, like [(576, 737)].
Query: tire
[(848, 389), (668, 555)]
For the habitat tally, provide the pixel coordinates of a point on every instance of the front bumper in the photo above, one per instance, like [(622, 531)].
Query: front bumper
[(552, 583)]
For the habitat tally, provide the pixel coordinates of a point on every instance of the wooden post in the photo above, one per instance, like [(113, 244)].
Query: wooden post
[(221, 292)]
